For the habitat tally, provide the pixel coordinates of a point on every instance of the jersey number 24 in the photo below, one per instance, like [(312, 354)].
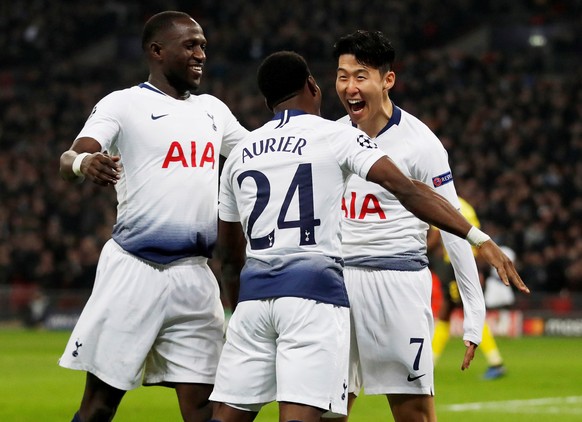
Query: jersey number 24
[(302, 183)]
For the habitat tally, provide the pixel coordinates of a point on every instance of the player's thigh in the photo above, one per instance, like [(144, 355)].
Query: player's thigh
[(121, 320), (355, 368), (393, 322), (191, 337), (312, 353), (246, 371)]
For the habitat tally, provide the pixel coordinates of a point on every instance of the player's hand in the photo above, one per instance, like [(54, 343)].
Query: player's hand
[(504, 266), (469, 354), (102, 169)]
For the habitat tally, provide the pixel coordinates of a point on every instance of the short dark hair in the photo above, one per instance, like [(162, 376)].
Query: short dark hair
[(160, 22), (371, 48), (281, 76)]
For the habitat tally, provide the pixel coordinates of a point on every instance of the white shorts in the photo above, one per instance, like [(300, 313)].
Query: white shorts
[(287, 349), (392, 327), (148, 323)]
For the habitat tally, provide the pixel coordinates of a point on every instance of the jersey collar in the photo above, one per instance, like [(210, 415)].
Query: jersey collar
[(285, 115), (394, 119), (149, 86)]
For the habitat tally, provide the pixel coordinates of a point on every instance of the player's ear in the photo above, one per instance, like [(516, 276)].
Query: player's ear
[(312, 85), (268, 106), (389, 80), (155, 48)]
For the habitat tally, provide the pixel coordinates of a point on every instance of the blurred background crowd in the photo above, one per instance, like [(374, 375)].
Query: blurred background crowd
[(499, 82)]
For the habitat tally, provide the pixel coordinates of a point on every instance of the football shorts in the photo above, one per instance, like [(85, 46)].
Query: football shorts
[(148, 323)]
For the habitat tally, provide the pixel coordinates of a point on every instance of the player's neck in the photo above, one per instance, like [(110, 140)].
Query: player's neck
[(168, 89), (378, 121)]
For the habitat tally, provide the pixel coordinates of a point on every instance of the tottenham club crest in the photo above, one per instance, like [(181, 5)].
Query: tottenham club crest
[(366, 142)]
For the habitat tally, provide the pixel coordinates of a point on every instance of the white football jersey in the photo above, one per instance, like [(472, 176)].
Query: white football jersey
[(378, 231), (169, 148), (284, 183)]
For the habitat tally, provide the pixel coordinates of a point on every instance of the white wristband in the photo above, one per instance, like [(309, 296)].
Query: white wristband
[(476, 237), (76, 167)]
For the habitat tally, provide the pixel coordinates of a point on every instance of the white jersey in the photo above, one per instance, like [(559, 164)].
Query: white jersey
[(169, 148), (378, 232), (284, 183)]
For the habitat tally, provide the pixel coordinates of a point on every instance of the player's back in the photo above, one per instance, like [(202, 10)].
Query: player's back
[(284, 182)]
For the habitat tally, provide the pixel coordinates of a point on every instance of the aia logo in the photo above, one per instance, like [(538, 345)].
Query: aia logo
[(442, 179), (360, 208), (190, 157)]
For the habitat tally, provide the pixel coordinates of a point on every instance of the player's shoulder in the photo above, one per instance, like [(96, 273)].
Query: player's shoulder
[(116, 102), (413, 128), (123, 94), (345, 120), (210, 101), (413, 123), (343, 125)]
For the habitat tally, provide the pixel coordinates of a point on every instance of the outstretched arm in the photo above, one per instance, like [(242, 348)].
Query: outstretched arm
[(431, 207), (85, 160)]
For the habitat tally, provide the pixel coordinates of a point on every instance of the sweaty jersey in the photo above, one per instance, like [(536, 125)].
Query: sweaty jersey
[(168, 191), (284, 183), (378, 232)]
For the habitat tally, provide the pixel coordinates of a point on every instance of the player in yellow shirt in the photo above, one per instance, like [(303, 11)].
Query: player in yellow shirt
[(452, 300)]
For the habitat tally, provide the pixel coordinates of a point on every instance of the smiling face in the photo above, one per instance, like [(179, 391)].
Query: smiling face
[(178, 56), (363, 91)]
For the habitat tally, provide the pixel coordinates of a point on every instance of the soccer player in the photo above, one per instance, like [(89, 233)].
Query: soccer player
[(384, 244), (288, 337), (154, 316), (452, 300)]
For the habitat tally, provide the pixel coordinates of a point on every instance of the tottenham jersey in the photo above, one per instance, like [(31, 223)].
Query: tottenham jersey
[(169, 148), (284, 183), (378, 232)]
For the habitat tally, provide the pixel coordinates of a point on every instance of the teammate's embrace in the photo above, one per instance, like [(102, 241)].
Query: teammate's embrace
[(288, 337)]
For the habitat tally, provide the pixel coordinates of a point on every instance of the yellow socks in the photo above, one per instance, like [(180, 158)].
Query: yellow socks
[(489, 348)]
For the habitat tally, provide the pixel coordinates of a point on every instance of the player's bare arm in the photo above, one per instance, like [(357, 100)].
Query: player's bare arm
[(230, 251), (415, 195), (85, 159), (493, 254)]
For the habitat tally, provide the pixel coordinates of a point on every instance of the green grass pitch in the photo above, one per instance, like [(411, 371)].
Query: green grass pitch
[(544, 383)]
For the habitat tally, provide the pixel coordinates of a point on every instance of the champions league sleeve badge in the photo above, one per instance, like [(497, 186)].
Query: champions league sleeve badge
[(366, 142), (443, 179)]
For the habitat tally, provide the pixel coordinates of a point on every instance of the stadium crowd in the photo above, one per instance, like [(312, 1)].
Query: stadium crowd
[(511, 119)]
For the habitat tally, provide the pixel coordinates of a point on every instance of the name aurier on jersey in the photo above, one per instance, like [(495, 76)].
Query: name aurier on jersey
[(283, 144)]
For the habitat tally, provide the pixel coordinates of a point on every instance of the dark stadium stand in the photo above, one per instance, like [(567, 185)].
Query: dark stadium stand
[(499, 82)]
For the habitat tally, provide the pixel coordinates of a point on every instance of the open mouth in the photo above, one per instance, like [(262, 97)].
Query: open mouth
[(197, 68), (356, 105)]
